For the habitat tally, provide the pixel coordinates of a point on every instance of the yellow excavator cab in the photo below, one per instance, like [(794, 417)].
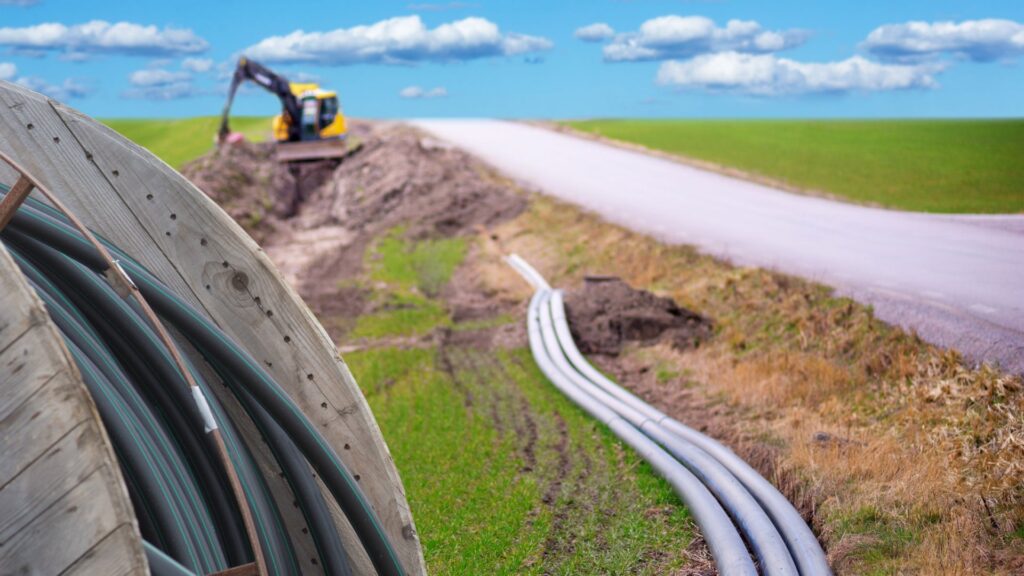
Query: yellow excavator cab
[(330, 120)]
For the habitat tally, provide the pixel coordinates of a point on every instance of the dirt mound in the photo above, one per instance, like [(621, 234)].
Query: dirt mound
[(401, 177), (398, 177), (316, 223), (241, 178), (245, 180), (606, 312)]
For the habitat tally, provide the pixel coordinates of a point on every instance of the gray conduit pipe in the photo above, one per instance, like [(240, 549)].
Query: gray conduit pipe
[(773, 556), (528, 272), (803, 545), (727, 548)]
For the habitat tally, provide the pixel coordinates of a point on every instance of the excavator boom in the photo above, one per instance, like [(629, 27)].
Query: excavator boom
[(256, 72), (311, 126)]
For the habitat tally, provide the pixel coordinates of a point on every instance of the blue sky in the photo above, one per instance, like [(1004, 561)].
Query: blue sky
[(527, 59)]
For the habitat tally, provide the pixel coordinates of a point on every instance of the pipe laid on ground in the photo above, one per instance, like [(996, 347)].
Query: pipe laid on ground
[(773, 556), (726, 545), (528, 272), (802, 544), (700, 452)]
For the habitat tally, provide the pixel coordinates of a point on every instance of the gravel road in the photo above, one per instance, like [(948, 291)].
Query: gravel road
[(957, 280)]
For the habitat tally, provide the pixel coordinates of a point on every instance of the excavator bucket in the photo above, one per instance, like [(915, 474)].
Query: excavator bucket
[(311, 150)]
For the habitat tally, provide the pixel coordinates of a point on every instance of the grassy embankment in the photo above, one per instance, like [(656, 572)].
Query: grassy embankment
[(178, 141), (908, 458), (952, 166)]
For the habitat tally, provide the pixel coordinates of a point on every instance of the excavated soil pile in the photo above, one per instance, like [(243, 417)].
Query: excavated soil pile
[(317, 230), (606, 313), (246, 181), (401, 177), (397, 177)]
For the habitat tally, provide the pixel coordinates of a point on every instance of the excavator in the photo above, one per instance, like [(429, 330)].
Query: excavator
[(311, 125)]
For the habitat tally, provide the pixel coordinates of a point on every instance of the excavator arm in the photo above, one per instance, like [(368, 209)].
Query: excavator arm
[(278, 85)]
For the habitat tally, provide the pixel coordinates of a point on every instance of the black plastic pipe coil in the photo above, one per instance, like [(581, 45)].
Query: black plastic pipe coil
[(179, 488)]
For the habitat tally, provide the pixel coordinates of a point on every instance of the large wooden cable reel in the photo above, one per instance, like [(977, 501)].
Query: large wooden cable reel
[(132, 198)]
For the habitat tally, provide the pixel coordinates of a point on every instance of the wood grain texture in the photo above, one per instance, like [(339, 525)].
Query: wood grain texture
[(66, 529), (154, 214), (62, 497), (106, 557)]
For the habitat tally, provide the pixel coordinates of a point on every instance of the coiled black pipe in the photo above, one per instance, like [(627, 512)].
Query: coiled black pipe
[(273, 538), (307, 492), (97, 308), (162, 491), (246, 377)]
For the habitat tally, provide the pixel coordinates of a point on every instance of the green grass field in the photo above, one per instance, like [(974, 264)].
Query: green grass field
[(951, 166), (178, 141)]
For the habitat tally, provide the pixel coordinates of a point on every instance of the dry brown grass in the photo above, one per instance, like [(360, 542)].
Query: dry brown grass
[(914, 461)]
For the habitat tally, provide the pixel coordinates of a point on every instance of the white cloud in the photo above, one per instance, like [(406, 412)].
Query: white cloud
[(399, 40), (768, 75), (157, 77), (417, 92), (198, 65), (674, 36), (596, 32), (979, 40), (27, 52), (514, 44), (69, 89), (161, 84), (74, 57), (99, 36)]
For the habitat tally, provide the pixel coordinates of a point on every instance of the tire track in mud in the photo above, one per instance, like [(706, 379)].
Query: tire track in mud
[(562, 466), (578, 469), (448, 367), (562, 491)]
